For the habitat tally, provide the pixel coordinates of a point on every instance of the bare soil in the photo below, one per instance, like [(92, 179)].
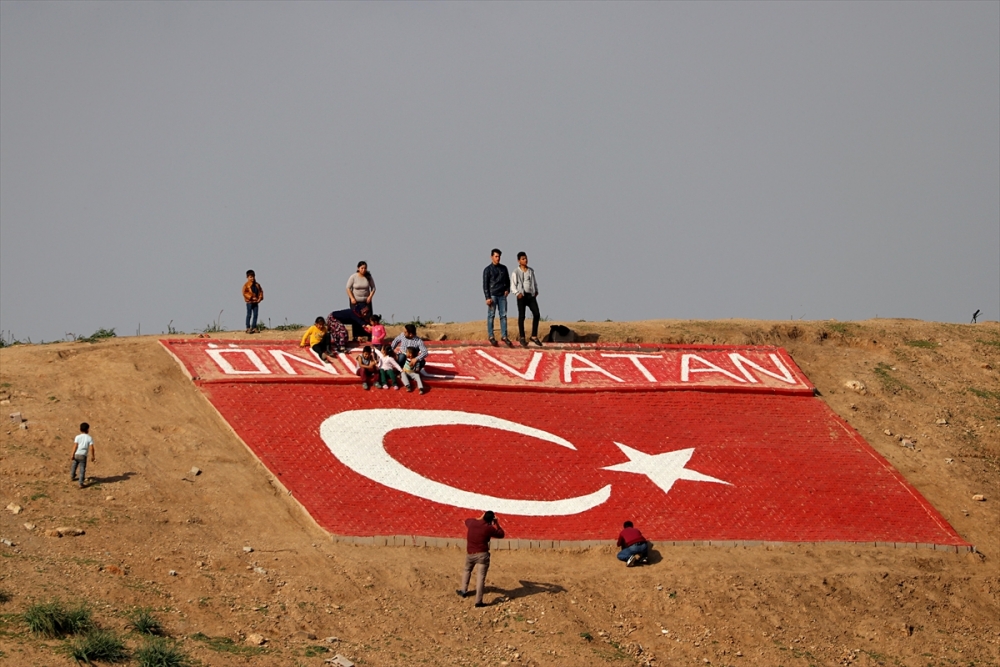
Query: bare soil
[(145, 515)]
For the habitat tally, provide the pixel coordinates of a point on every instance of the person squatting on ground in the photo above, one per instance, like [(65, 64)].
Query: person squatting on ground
[(337, 331), (496, 287), (388, 367), (82, 444), (253, 294), (525, 286), (478, 552), (367, 367), (318, 338), (411, 371), (360, 290), (634, 547), (406, 340)]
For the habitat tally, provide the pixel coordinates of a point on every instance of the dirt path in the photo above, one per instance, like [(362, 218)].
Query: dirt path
[(795, 605)]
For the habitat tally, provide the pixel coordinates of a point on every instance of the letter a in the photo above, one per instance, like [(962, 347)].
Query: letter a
[(686, 369), (591, 367)]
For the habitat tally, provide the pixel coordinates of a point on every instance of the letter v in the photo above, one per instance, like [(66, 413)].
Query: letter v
[(528, 374)]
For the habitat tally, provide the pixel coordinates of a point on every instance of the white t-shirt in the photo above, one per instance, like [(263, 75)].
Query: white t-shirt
[(83, 443)]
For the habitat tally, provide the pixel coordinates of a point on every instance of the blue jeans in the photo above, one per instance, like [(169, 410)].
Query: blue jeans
[(81, 463), (252, 310), (641, 548), (501, 302)]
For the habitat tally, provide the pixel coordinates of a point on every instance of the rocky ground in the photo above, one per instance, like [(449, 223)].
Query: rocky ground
[(925, 395)]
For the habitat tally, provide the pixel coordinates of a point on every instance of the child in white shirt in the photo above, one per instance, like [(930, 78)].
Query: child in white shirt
[(387, 369), (82, 444)]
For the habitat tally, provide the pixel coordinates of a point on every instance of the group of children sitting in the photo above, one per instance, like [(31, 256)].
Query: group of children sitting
[(377, 364)]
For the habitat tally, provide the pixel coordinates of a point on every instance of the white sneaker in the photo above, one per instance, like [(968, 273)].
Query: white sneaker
[(632, 560)]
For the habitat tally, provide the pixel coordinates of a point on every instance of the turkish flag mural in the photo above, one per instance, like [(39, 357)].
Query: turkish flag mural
[(684, 465)]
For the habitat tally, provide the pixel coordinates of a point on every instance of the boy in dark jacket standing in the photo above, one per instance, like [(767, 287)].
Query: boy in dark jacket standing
[(253, 294), (496, 287)]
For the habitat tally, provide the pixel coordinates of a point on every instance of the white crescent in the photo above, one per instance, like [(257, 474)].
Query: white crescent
[(356, 437)]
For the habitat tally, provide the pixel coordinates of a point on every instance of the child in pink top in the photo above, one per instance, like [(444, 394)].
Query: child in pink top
[(376, 330)]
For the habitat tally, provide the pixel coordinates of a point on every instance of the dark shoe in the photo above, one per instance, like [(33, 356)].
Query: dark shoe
[(461, 594), (423, 391), (479, 604), (534, 339), (508, 343), (409, 389), (523, 342), (493, 342), (632, 560)]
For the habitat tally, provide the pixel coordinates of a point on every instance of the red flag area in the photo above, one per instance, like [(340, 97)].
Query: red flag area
[(684, 465)]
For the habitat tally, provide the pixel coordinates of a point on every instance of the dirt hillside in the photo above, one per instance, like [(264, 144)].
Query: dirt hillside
[(157, 536)]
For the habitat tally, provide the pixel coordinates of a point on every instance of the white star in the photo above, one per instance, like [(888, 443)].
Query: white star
[(663, 469)]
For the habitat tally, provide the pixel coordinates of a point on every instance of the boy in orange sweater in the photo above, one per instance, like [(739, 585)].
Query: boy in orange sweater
[(253, 294)]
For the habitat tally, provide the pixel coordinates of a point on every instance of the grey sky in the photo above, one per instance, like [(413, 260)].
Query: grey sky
[(713, 160)]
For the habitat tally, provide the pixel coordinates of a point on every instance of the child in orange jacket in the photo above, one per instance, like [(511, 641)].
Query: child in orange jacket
[(253, 294)]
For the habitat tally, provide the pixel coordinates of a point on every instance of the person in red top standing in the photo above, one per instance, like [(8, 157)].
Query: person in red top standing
[(634, 547), (478, 552)]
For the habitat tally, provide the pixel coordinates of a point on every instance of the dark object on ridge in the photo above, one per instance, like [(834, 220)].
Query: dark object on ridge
[(561, 334), (975, 315)]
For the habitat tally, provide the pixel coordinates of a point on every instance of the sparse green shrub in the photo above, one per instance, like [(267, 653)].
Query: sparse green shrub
[(214, 327), (98, 335), (982, 393), (8, 340), (141, 620), (160, 652), (98, 645), (227, 645), (926, 344), (52, 619), (889, 383)]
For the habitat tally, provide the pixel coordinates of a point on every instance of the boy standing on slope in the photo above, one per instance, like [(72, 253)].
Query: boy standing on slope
[(253, 294), (496, 287), (525, 286), (82, 444), (481, 530)]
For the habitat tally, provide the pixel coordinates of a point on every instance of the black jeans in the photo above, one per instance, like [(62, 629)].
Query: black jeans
[(527, 301), (323, 346)]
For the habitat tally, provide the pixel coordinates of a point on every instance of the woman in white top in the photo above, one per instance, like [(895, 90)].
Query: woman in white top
[(360, 290)]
